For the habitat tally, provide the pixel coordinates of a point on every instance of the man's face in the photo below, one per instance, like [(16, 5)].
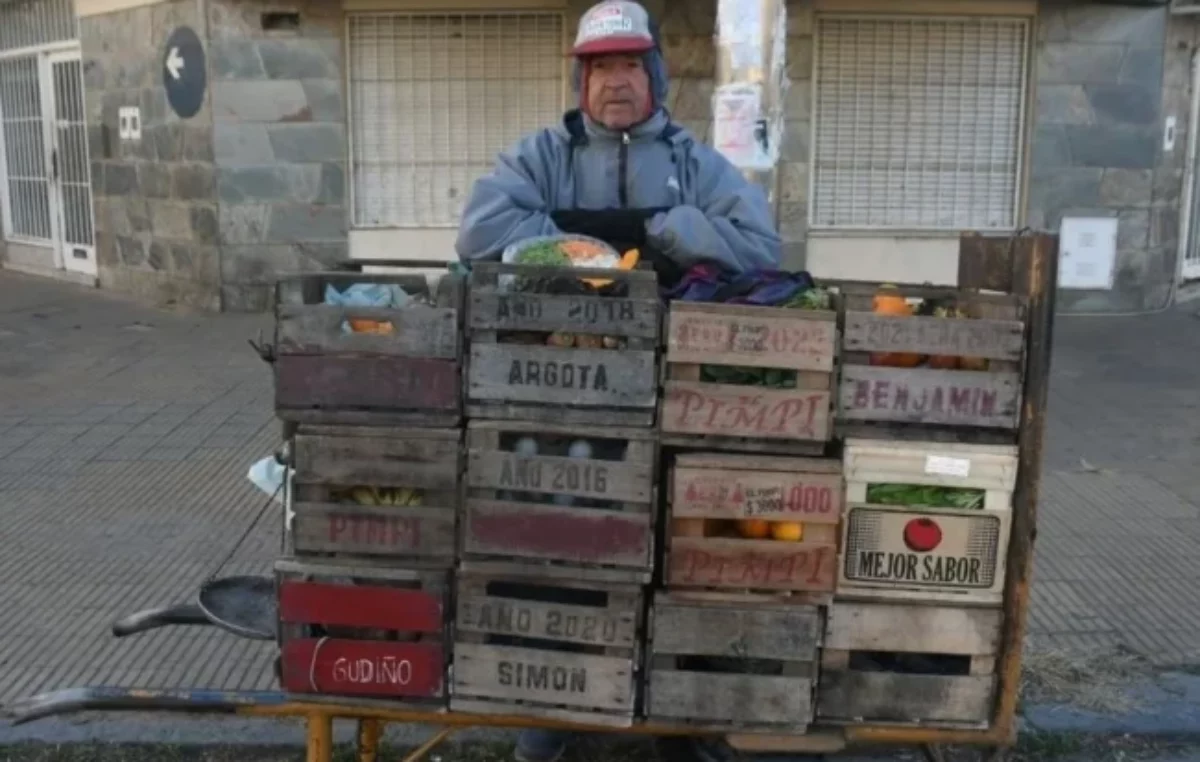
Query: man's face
[(618, 90)]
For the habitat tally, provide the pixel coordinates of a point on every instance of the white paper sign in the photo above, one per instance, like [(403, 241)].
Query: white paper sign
[(941, 465), (1087, 252), (736, 115), (740, 31)]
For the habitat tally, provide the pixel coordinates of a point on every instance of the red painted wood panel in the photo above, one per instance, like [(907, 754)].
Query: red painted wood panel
[(385, 608), (334, 381), (363, 667), (550, 532)]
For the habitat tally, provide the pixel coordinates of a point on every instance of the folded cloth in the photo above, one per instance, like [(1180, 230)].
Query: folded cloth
[(708, 283)]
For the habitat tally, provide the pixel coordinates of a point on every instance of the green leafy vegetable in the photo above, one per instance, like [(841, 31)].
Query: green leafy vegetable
[(925, 496), (546, 254)]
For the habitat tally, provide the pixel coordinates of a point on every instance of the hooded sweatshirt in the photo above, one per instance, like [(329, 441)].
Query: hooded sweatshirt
[(714, 215)]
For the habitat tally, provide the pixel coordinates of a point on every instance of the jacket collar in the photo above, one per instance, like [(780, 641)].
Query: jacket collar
[(581, 128)]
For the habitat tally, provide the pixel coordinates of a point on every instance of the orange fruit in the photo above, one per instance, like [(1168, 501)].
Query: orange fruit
[(753, 529), (788, 531)]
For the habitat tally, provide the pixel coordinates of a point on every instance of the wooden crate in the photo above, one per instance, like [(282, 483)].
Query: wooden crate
[(408, 377), (747, 667), (592, 518), (372, 632), (557, 649), (698, 414), (927, 402), (514, 375), (927, 553), (730, 487), (904, 664), (330, 461)]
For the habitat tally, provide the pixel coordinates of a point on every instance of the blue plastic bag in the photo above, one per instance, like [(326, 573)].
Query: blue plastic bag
[(366, 295)]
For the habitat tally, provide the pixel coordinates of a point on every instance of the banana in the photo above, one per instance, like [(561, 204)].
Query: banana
[(364, 496), (415, 497)]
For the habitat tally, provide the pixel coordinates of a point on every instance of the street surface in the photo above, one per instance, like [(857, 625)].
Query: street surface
[(126, 433)]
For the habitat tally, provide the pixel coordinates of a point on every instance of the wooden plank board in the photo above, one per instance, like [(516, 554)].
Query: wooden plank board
[(543, 676), (367, 382), (743, 631), (553, 376), (985, 467), (904, 698), (730, 699), (416, 331), (367, 606), (926, 396), (568, 623), (913, 629), (381, 669), (764, 564), (607, 315), (416, 460), (735, 493), (956, 337), (745, 336), (387, 531), (545, 474), (745, 411), (555, 533)]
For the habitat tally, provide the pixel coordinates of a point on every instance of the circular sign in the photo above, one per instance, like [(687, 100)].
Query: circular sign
[(184, 74)]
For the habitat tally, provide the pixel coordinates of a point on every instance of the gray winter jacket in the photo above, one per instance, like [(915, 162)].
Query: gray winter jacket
[(715, 214)]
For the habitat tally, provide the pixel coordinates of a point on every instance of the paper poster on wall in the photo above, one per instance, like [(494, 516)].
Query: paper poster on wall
[(1087, 252), (739, 131), (740, 31)]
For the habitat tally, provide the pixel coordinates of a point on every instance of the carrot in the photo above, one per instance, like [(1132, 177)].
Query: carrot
[(581, 249)]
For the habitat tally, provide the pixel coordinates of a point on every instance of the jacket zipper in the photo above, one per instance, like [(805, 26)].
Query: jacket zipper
[(621, 170)]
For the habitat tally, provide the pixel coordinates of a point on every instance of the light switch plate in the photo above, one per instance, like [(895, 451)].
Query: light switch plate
[(129, 123)]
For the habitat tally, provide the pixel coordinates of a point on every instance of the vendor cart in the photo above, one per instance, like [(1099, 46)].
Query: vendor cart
[(1023, 265)]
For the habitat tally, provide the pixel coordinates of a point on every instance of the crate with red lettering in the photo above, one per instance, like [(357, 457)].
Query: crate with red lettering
[(920, 361), (753, 523), (909, 665), (341, 364), (372, 632), (747, 666), (365, 494), (926, 521), (576, 349), (546, 646), (540, 495), (755, 379)]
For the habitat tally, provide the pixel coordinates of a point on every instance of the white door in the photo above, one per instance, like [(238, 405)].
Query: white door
[(70, 169)]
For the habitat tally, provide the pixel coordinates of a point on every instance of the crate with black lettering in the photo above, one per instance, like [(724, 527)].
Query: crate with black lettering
[(926, 521), (546, 647), (753, 523), (748, 378), (394, 365), (542, 497), (370, 632), (365, 494), (909, 665), (578, 348), (926, 363), (732, 666)]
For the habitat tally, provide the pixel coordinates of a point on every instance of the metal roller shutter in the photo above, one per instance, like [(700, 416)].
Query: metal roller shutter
[(434, 97), (918, 122)]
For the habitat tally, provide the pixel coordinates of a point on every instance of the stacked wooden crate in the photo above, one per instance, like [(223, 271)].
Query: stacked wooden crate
[(557, 534), (930, 466), (751, 542), (371, 399)]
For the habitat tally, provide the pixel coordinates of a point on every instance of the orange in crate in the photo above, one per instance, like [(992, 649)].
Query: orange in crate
[(787, 531), (754, 529)]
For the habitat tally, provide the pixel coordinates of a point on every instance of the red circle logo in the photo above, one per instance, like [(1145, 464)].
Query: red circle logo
[(922, 535)]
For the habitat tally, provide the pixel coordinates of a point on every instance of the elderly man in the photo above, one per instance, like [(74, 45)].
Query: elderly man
[(619, 169)]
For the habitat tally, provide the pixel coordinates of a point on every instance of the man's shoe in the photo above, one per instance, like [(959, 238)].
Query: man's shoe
[(541, 745)]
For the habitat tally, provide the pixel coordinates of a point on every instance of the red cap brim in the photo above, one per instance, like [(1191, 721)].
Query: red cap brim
[(607, 45)]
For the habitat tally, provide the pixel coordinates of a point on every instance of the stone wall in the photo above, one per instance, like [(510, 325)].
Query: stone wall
[(279, 131), (1097, 142), (155, 210)]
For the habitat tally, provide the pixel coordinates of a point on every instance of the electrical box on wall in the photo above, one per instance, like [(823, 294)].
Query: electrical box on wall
[(1087, 252), (129, 123)]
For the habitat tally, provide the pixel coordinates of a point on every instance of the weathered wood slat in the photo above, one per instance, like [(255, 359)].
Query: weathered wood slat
[(369, 606), (985, 467), (760, 337), (364, 668), (610, 316), (553, 376), (773, 495), (394, 462), (384, 531), (550, 677), (586, 625), (913, 629), (416, 331), (904, 698), (730, 700), (745, 411), (755, 564), (956, 337), (925, 396), (739, 631), (545, 474), (367, 383)]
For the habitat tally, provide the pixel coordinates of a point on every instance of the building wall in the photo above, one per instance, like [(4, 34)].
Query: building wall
[(1097, 147), (155, 205), (279, 134)]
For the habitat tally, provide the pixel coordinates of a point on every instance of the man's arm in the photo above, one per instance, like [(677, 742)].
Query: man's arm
[(730, 224), (507, 205)]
